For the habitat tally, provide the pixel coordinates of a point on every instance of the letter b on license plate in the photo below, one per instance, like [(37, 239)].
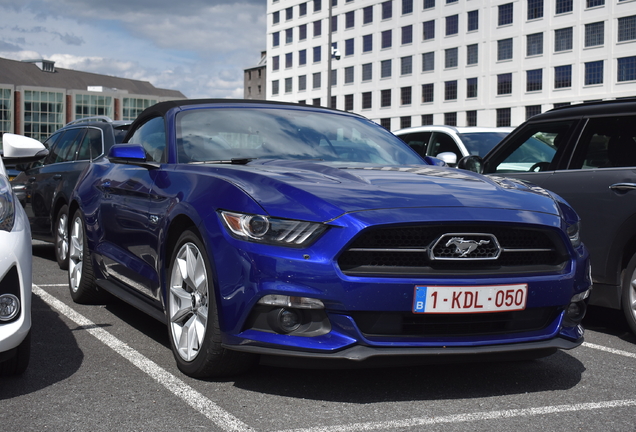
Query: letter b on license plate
[(457, 299)]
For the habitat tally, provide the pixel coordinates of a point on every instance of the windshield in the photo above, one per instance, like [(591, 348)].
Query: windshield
[(481, 143), (224, 134)]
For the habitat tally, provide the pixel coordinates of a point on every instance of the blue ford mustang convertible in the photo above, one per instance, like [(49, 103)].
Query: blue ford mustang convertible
[(294, 232)]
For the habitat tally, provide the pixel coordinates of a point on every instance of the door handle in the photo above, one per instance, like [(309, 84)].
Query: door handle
[(623, 186), (57, 177)]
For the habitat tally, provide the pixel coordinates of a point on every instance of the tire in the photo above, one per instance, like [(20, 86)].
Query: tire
[(81, 280), (61, 238), (628, 295), (193, 322), (17, 364)]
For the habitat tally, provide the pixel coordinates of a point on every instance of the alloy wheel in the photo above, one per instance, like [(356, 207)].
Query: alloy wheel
[(76, 254), (61, 238)]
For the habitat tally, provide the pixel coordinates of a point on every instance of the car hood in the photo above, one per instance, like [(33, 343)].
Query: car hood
[(321, 191)]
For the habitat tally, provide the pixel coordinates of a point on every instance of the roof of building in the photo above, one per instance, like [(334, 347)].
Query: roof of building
[(19, 73)]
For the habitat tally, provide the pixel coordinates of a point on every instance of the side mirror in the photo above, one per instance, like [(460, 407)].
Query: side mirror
[(434, 161), (449, 157), (18, 149), (471, 163), (131, 154)]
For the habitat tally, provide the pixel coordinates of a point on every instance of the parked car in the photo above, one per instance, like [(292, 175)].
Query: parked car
[(451, 143), (283, 230), (587, 154), (15, 262), (44, 189)]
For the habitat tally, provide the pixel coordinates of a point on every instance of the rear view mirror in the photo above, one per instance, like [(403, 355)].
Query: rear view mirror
[(131, 154), (471, 163), (18, 149), (449, 157)]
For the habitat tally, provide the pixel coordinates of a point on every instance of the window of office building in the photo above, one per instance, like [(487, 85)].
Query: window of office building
[(472, 54), (428, 30), (450, 58), (6, 111), (367, 15), (348, 102), (367, 72), (532, 110), (316, 80), (276, 17), (594, 72), (505, 14), (428, 61), (594, 3), (450, 119), (302, 9), (387, 38), (452, 25), (317, 54), (563, 6), (627, 28), (427, 119), (288, 85), (562, 104), (450, 90), (471, 88), (407, 7), (349, 47), (385, 68), (405, 122), (473, 20), (407, 34), (385, 123), (428, 4), (275, 63), (504, 84), (334, 23), (366, 100), (504, 117), (316, 102), (563, 76), (367, 43), (334, 77), (348, 71), (289, 60), (405, 96), (132, 107), (275, 87), (504, 49), (471, 118), (276, 39), (534, 44), (317, 5), (289, 13), (594, 34), (535, 9), (302, 57), (428, 94), (534, 80), (349, 19), (333, 102), (627, 69), (563, 39), (302, 32), (385, 98), (406, 65), (317, 28), (302, 82), (387, 9), (289, 36), (93, 105)]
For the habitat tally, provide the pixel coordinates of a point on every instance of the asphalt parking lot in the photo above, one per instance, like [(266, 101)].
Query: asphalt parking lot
[(104, 368)]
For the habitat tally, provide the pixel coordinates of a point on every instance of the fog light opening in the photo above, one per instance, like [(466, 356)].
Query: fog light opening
[(576, 312), (289, 320), (9, 307)]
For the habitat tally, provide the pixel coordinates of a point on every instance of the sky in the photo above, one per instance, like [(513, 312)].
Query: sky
[(199, 47)]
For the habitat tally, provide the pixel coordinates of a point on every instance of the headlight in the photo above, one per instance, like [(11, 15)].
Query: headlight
[(263, 229), (7, 209), (574, 233)]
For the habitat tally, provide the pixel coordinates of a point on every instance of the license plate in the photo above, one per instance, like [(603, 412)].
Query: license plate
[(461, 299)]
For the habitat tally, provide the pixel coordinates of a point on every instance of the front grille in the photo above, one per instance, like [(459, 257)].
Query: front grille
[(422, 250), (397, 324)]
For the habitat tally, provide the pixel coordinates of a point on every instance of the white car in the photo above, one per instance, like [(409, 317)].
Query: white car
[(15, 261), (450, 143)]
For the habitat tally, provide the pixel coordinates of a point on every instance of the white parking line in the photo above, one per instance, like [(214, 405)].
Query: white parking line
[(196, 400), (228, 422)]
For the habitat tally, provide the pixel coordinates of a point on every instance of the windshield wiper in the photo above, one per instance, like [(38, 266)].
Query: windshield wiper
[(233, 161)]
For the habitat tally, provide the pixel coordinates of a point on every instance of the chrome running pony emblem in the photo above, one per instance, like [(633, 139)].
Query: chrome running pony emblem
[(465, 247)]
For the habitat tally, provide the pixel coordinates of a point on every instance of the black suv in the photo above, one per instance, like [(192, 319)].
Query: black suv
[(587, 154), (44, 187)]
